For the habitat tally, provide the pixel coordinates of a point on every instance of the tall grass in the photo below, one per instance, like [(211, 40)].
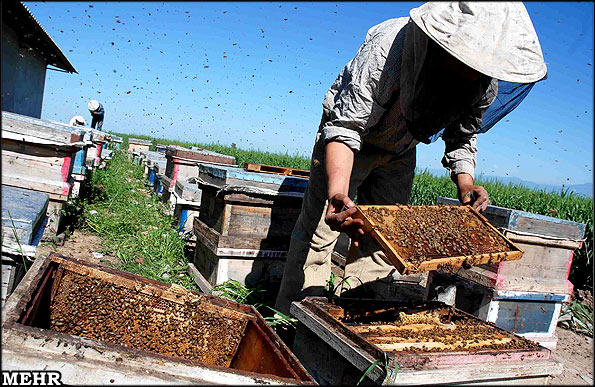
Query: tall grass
[(427, 187)]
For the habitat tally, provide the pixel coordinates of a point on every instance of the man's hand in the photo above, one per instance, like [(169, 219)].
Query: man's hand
[(338, 217), (468, 193)]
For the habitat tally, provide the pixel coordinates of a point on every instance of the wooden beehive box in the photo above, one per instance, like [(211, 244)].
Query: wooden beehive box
[(533, 315), (136, 328), (251, 210), (40, 155), (23, 224), (245, 223), (424, 238), (137, 144), (548, 244), (183, 163), (338, 339), (187, 198), (116, 142), (98, 142)]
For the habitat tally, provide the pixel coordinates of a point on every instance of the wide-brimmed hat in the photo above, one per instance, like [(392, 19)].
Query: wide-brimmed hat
[(78, 120), (93, 105), (495, 38)]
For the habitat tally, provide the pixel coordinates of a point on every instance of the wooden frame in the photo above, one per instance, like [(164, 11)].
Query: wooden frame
[(275, 169), (405, 267)]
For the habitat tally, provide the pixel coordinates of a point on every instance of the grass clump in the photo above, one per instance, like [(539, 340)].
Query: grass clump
[(133, 224)]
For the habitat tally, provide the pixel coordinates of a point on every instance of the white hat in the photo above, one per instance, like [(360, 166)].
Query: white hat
[(93, 105), (78, 121), (495, 38)]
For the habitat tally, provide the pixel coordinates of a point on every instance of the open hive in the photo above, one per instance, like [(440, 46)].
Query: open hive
[(340, 339), (100, 309), (78, 304), (431, 328), (422, 238)]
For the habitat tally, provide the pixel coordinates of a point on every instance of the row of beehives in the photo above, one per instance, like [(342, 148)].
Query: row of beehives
[(240, 223), (44, 164)]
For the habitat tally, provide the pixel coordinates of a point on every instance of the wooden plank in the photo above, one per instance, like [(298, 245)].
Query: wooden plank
[(200, 281), (57, 190), (39, 128), (188, 191), (138, 141), (513, 373), (275, 169), (199, 155)]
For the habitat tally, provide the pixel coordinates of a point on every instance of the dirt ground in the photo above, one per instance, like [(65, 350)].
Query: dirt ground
[(79, 245), (574, 351)]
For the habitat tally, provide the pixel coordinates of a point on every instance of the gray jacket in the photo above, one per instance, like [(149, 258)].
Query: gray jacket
[(363, 104)]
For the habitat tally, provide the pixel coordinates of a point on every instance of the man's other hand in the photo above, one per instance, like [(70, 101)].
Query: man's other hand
[(472, 194)]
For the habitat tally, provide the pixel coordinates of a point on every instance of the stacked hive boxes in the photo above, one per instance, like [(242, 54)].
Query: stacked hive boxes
[(99, 141), (183, 163), (522, 296), (245, 224), (40, 155)]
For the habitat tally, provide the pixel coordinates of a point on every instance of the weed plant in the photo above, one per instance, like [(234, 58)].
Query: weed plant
[(133, 224)]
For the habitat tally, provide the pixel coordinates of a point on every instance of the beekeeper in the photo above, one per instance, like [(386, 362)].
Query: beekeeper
[(78, 121), (434, 74), (97, 113)]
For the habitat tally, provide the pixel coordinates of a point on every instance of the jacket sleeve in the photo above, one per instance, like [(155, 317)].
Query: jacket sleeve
[(460, 138), (350, 106)]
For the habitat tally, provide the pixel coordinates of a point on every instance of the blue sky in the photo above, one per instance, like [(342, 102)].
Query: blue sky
[(255, 74)]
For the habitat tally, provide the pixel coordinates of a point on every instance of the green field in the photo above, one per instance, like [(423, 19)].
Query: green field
[(426, 188)]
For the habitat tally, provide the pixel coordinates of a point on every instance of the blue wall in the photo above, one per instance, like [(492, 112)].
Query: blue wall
[(23, 76)]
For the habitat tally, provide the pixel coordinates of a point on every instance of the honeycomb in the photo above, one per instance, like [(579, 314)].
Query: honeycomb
[(423, 233), (431, 331), (98, 309)]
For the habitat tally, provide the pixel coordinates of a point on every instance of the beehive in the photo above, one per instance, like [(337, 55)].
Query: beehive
[(40, 155), (244, 225), (423, 238), (422, 343), (183, 163), (116, 312), (137, 144)]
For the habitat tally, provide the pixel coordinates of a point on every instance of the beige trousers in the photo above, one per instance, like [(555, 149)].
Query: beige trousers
[(377, 178)]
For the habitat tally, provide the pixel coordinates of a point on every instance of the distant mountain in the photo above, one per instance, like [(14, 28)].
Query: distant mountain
[(585, 189)]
